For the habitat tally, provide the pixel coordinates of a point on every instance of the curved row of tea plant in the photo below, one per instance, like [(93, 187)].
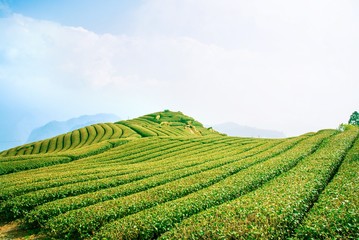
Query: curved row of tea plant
[(81, 222), (102, 162), (154, 221), (336, 214), (274, 210), (20, 165), (129, 150), (18, 205), (71, 140), (13, 164), (136, 128), (74, 171), (182, 169)]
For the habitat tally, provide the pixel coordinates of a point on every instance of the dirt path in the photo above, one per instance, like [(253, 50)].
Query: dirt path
[(11, 231)]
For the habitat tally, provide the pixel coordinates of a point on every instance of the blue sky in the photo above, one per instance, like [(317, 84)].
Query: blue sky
[(98, 16), (290, 66)]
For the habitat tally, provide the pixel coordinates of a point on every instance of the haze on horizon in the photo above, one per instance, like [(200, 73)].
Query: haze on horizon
[(290, 66)]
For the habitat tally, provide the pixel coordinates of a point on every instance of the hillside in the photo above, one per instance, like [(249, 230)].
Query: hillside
[(165, 123), (55, 128), (165, 176)]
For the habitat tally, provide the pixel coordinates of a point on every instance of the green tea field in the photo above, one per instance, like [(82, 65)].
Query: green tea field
[(165, 176)]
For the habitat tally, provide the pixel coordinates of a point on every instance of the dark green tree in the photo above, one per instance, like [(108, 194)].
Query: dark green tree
[(354, 119)]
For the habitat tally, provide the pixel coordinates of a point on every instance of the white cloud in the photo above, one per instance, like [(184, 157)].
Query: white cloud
[(290, 66)]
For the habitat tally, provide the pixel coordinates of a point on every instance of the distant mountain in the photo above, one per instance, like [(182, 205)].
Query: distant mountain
[(234, 129), (55, 128)]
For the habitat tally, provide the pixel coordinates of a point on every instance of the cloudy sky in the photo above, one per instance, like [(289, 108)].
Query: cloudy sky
[(291, 66)]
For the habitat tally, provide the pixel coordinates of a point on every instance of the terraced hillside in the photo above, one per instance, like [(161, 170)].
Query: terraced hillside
[(165, 176), (98, 138)]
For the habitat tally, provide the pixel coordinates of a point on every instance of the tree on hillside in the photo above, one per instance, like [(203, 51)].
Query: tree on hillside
[(354, 119)]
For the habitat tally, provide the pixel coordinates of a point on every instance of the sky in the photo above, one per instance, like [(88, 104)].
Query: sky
[(290, 66)]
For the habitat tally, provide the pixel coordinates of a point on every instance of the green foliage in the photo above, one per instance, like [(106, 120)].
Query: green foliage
[(157, 175), (264, 166), (146, 126), (354, 119), (30, 163), (164, 175), (335, 215), (142, 131), (274, 210)]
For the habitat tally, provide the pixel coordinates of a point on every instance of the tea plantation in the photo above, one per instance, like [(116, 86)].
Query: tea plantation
[(166, 176)]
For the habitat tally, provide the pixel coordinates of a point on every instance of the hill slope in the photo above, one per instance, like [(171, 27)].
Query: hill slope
[(165, 123), (170, 178), (55, 128)]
